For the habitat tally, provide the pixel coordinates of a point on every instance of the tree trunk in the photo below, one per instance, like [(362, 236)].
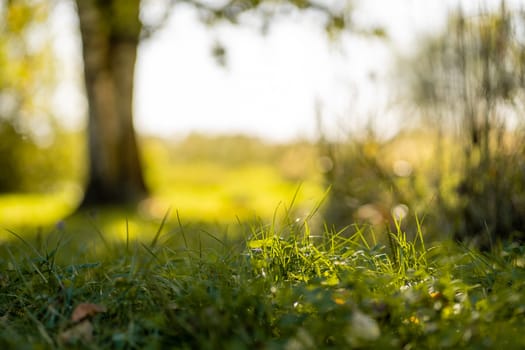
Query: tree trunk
[(110, 31)]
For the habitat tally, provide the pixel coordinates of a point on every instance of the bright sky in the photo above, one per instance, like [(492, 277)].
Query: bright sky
[(272, 83)]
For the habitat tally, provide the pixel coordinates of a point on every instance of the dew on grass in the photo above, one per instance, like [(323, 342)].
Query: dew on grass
[(370, 213), (402, 168), (400, 211)]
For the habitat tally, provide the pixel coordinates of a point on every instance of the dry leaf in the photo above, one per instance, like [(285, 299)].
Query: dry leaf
[(86, 310), (82, 331)]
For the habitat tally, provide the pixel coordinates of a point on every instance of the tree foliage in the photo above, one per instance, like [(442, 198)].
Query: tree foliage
[(28, 132), (26, 63)]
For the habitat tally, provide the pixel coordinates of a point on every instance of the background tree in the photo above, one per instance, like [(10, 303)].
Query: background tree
[(469, 83), (28, 132), (110, 32), (21, 75)]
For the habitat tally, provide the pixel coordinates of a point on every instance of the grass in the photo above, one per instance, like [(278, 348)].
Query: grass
[(212, 190), (203, 178), (191, 279), (282, 286), (39, 209)]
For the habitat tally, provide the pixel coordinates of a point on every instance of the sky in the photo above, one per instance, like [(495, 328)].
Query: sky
[(273, 86)]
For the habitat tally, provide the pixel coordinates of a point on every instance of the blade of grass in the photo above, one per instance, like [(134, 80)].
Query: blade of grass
[(39, 272), (98, 231), (157, 235), (41, 328), (182, 230), (213, 237), (292, 203), (127, 235), (318, 205), (25, 242), (150, 251)]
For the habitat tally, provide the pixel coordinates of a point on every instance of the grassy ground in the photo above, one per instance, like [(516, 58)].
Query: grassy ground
[(206, 179), (282, 286), (225, 269)]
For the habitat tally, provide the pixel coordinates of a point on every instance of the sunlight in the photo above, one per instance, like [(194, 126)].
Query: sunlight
[(36, 209)]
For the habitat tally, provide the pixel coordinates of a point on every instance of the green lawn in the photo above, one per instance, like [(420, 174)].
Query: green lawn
[(35, 209), (283, 286), (219, 258), (201, 178)]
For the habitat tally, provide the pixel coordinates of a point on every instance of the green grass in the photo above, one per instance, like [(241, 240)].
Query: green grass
[(36, 209), (209, 275), (204, 179), (282, 286), (219, 192)]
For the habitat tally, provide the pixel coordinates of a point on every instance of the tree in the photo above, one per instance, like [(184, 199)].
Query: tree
[(110, 32), (26, 82), (468, 81)]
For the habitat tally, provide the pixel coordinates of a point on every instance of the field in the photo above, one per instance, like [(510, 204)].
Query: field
[(215, 180), (229, 254), (283, 286)]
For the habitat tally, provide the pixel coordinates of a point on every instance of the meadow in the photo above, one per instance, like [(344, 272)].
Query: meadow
[(229, 253)]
